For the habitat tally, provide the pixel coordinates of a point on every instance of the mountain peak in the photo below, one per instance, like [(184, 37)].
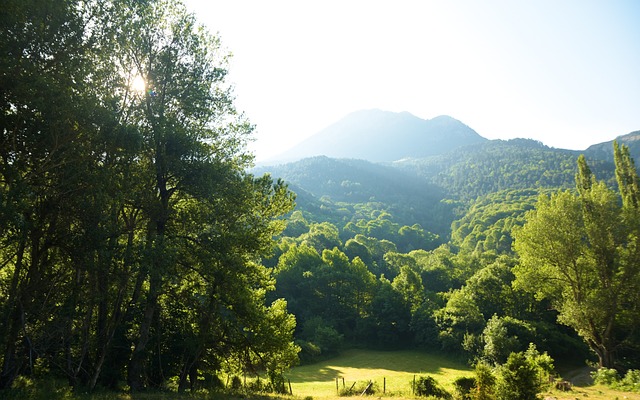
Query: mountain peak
[(384, 136)]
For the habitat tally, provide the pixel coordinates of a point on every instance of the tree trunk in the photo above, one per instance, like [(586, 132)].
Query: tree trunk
[(12, 319), (137, 367)]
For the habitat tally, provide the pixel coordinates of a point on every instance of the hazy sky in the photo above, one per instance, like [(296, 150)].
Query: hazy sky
[(564, 72)]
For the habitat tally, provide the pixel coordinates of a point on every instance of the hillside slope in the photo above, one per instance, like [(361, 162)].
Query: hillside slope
[(604, 151)]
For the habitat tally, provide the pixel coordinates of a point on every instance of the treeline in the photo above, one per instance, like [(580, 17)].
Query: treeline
[(499, 165), (365, 280), (367, 287), (131, 232)]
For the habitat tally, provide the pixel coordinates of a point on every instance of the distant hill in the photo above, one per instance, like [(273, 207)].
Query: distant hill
[(347, 181), (604, 151), (423, 171), (503, 165), (383, 136)]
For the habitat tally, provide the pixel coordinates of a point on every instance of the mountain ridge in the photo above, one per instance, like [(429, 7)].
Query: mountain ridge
[(382, 136)]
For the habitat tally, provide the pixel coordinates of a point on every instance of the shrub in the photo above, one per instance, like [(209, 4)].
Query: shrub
[(309, 352), (485, 383), (358, 388), (542, 363), (517, 379), (631, 381), (605, 376), (428, 386), (610, 377), (463, 387)]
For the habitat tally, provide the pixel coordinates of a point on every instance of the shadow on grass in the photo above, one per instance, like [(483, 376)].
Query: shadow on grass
[(314, 373), (410, 362)]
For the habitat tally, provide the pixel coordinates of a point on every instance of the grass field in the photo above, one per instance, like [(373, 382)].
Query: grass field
[(399, 367)]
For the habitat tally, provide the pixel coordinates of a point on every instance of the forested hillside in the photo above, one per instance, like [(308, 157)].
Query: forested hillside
[(356, 271), (497, 165), (336, 185)]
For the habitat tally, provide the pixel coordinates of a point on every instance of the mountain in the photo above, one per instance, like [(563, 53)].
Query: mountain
[(383, 136), (604, 151)]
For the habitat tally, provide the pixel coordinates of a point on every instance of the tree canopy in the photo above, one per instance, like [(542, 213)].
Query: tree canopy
[(132, 232), (581, 251)]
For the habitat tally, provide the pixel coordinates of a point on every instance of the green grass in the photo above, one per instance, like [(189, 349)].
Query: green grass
[(397, 367)]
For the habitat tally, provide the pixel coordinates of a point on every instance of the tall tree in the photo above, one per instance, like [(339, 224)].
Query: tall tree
[(120, 203), (580, 251)]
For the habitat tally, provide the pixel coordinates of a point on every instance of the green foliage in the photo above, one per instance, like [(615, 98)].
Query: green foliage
[(475, 171), (580, 251), (610, 377), (325, 337), (459, 318), (487, 225), (360, 388), (485, 382), (428, 386), (517, 379), (464, 387), (132, 231), (343, 190)]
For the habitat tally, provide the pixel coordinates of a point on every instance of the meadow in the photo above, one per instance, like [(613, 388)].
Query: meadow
[(398, 368)]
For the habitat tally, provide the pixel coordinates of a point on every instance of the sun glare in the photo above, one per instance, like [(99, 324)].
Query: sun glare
[(138, 84)]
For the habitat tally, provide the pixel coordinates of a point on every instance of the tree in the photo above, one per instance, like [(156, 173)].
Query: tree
[(517, 379), (581, 252), (128, 216), (459, 320)]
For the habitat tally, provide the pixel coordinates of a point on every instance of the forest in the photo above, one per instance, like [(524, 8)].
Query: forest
[(142, 249)]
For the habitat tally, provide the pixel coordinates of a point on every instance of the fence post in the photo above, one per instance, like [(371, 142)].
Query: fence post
[(384, 385), (413, 387), (337, 390)]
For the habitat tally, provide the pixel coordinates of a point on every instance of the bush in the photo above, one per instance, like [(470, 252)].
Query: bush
[(463, 387), (358, 388), (542, 363), (517, 379), (309, 352), (428, 386), (605, 376), (631, 381), (610, 377), (485, 383)]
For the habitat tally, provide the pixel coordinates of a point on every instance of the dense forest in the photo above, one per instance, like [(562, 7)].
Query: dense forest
[(141, 247)]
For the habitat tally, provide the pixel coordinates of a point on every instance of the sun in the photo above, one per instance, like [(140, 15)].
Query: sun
[(138, 84)]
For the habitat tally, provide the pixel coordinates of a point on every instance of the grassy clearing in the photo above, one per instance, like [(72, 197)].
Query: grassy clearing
[(398, 368), (319, 380)]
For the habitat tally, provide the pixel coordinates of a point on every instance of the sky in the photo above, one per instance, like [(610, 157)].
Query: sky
[(564, 72)]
